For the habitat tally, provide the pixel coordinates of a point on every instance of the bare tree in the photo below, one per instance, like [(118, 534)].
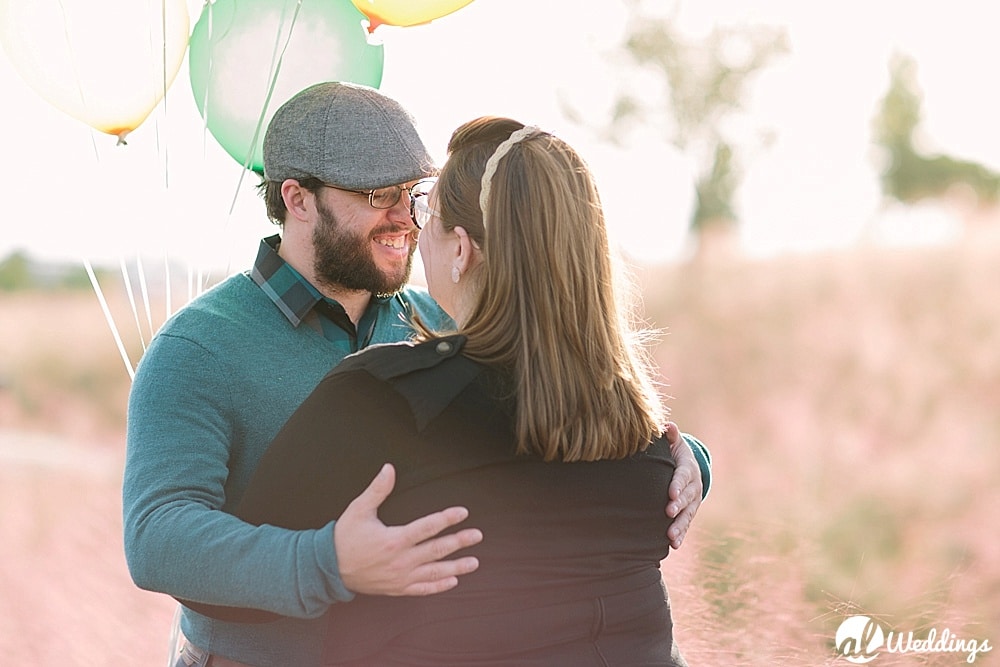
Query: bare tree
[(702, 85), (907, 173)]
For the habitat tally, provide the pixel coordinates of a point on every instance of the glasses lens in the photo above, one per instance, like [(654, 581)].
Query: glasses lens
[(422, 187), (422, 211), (386, 197)]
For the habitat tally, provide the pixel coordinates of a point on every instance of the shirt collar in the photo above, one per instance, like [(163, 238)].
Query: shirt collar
[(294, 296)]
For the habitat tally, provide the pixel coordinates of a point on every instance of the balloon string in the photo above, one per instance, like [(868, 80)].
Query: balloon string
[(72, 60), (166, 144), (208, 88), (173, 645), (277, 57), (167, 296), (109, 318), (145, 296), (131, 300)]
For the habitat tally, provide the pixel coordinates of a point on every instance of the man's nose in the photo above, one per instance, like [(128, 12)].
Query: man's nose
[(400, 211)]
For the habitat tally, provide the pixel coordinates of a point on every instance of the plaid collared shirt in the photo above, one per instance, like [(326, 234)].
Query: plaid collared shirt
[(303, 304)]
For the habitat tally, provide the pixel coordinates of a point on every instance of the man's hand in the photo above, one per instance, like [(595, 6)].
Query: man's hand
[(376, 559), (685, 487)]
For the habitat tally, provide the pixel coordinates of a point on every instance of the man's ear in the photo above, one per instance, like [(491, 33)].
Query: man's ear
[(295, 196)]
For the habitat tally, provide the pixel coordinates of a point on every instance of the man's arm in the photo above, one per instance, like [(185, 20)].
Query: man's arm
[(180, 541), (376, 559), (690, 483)]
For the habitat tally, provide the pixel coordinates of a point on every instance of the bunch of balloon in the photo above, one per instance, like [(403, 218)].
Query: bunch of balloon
[(107, 63), (406, 13), (247, 57)]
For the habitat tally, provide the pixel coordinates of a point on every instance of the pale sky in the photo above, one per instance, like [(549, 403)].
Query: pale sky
[(72, 194)]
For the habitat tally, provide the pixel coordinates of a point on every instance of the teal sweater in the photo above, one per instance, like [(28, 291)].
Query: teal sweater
[(212, 390), (216, 384)]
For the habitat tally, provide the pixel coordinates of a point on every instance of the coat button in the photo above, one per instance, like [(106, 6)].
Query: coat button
[(443, 347)]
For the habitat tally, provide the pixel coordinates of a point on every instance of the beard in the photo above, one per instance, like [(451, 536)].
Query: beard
[(344, 259)]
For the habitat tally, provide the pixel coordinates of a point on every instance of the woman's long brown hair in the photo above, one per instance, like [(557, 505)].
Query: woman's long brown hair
[(545, 306)]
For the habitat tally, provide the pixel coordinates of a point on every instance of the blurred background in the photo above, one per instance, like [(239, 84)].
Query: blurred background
[(804, 196)]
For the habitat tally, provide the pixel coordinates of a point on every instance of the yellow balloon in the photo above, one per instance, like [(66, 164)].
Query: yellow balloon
[(107, 63), (406, 12)]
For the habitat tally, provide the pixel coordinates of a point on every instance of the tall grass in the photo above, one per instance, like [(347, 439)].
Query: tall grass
[(852, 402)]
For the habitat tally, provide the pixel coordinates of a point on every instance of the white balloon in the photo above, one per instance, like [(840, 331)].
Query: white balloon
[(107, 63)]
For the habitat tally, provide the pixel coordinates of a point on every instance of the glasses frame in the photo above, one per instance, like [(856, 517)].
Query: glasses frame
[(427, 184), (370, 194)]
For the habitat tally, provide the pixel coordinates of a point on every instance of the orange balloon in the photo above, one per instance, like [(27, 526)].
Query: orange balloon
[(107, 63), (406, 12)]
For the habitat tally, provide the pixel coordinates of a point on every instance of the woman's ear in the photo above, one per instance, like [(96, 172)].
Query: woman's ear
[(467, 253)]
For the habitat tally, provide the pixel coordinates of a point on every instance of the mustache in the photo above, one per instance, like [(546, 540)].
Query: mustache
[(391, 228)]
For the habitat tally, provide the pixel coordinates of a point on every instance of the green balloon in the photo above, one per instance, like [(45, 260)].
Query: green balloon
[(248, 57)]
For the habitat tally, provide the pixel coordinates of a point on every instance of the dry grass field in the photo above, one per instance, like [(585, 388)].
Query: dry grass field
[(851, 401)]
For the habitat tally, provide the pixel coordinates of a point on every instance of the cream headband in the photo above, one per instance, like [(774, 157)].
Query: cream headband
[(491, 164)]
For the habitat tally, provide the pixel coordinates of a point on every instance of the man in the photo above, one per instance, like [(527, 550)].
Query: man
[(224, 374)]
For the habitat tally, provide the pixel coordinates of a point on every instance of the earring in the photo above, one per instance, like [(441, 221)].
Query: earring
[(456, 274)]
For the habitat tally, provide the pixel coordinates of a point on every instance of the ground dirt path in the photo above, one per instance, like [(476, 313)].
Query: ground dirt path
[(66, 599)]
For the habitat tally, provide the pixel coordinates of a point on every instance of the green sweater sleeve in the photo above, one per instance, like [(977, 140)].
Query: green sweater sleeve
[(704, 458), (181, 475)]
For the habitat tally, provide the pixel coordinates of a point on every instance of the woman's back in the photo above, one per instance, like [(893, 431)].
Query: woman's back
[(569, 565)]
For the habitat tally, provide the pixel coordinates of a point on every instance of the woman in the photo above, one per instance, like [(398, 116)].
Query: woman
[(538, 414)]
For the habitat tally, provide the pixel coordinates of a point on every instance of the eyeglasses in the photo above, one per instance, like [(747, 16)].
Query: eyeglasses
[(381, 198), (421, 212), (420, 208)]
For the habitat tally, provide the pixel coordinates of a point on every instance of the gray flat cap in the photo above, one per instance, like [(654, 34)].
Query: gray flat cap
[(344, 134)]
